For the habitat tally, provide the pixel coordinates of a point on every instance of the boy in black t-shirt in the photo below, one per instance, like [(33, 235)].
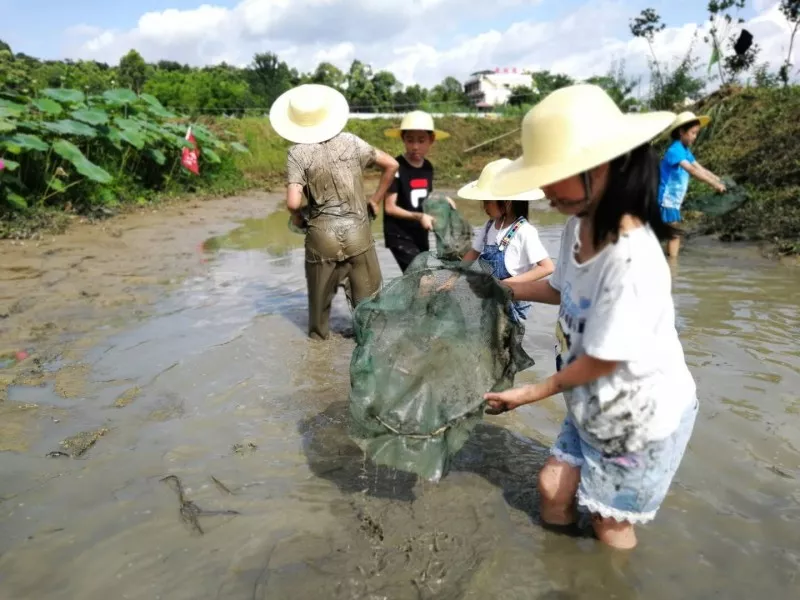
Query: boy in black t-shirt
[(405, 225)]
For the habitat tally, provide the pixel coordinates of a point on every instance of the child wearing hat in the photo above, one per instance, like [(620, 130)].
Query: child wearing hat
[(326, 164), (405, 225), (508, 242), (676, 167), (630, 398)]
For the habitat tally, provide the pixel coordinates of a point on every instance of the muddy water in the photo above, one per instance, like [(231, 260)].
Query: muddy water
[(206, 373)]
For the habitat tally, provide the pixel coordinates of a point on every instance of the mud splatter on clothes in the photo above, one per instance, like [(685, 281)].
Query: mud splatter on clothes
[(617, 306)]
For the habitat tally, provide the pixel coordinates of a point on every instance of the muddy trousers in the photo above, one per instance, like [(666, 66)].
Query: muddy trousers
[(362, 272)]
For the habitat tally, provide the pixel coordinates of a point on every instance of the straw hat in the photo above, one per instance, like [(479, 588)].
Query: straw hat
[(309, 114), (417, 120), (480, 188), (573, 130), (688, 117)]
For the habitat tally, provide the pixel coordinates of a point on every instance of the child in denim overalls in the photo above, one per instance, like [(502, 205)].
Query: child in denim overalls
[(508, 243)]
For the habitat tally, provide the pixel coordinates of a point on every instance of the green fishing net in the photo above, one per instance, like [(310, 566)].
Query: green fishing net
[(428, 346), (715, 204), (452, 231)]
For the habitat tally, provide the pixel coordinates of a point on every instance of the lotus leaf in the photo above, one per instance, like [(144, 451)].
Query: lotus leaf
[(64, 95), (157, 155), (26, 141), (211, 156), (48, 106), (120, 96), (70, 127), (70, 152), (92, 116), (134, 137), (10, 165), (17, 201)]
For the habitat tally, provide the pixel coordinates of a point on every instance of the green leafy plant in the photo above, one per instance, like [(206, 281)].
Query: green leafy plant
[(64, 148)]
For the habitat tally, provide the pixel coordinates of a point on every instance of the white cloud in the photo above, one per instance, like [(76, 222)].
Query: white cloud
[(421, 41)]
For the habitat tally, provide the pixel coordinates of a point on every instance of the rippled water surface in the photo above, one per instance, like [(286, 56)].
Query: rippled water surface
[(221, 388)]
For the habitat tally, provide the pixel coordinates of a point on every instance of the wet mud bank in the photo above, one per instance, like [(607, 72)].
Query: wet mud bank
[(169, 432)]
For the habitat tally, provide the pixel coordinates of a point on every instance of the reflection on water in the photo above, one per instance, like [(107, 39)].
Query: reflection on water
[(225, 365), (273, 236)]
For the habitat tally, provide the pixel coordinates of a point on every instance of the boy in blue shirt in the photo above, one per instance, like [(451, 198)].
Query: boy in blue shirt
[(676, 167)]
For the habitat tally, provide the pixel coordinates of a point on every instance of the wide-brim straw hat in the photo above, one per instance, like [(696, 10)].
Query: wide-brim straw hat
[(689, 117), (480, 189), (417, 120), (309, 114), (574, 129)]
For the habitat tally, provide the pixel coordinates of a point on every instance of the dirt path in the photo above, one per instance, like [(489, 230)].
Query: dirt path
[(62, 294)]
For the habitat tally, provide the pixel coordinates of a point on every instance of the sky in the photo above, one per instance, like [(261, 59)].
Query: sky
[(420, 41)]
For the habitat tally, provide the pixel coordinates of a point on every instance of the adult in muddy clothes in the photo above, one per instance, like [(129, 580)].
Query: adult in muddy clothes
[(327, 165)]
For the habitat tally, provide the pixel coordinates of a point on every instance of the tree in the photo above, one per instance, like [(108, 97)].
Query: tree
[(448, 95), (645, 27), (679, 84), (133, 71), (521, 95), (327, 74), (721, 19), (360, 91), (170, 65), (4, 46), (385, 85), (410, 98), (545, 82), (269, 77), (617, 84), (790, 10)]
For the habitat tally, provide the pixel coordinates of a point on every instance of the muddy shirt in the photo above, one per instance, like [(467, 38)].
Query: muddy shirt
[(331, 174), (412, 185), (617, 306)]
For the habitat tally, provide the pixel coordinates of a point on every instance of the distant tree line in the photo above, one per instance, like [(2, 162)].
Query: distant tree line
[(228, 89)]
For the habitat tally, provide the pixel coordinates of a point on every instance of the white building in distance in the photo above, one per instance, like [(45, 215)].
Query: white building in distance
[(487, 89)]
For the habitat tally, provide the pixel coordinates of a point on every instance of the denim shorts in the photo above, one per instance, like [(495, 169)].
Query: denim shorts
[(630, 487)]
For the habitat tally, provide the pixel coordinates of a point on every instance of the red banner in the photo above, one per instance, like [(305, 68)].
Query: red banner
[(189, 156)]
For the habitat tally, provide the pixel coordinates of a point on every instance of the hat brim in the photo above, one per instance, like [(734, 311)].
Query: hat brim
[(334, 123), (396, 133), (632, 131), (471, 191), (702, 119)]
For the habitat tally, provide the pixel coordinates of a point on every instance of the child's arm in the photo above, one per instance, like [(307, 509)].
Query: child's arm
[(471, 256), (698, 172), (709, 173), (581, 371), (534, 291), (389, 166), (391, 208), (542, 269)]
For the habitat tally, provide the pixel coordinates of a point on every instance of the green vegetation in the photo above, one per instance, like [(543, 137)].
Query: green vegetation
[(64, 149), (755, 138), (84, 137)]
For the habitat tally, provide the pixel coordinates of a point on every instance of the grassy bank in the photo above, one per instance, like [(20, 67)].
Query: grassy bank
[(754, 138), (266, 162), (65, 153)]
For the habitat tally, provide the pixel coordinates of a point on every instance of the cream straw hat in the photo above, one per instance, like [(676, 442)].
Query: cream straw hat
[(688, 117), (309, 114), (573, 130), (417, 120), (480, 188)]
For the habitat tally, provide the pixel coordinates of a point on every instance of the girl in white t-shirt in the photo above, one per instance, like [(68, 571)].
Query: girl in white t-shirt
[(508, 242), (631, 400)]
